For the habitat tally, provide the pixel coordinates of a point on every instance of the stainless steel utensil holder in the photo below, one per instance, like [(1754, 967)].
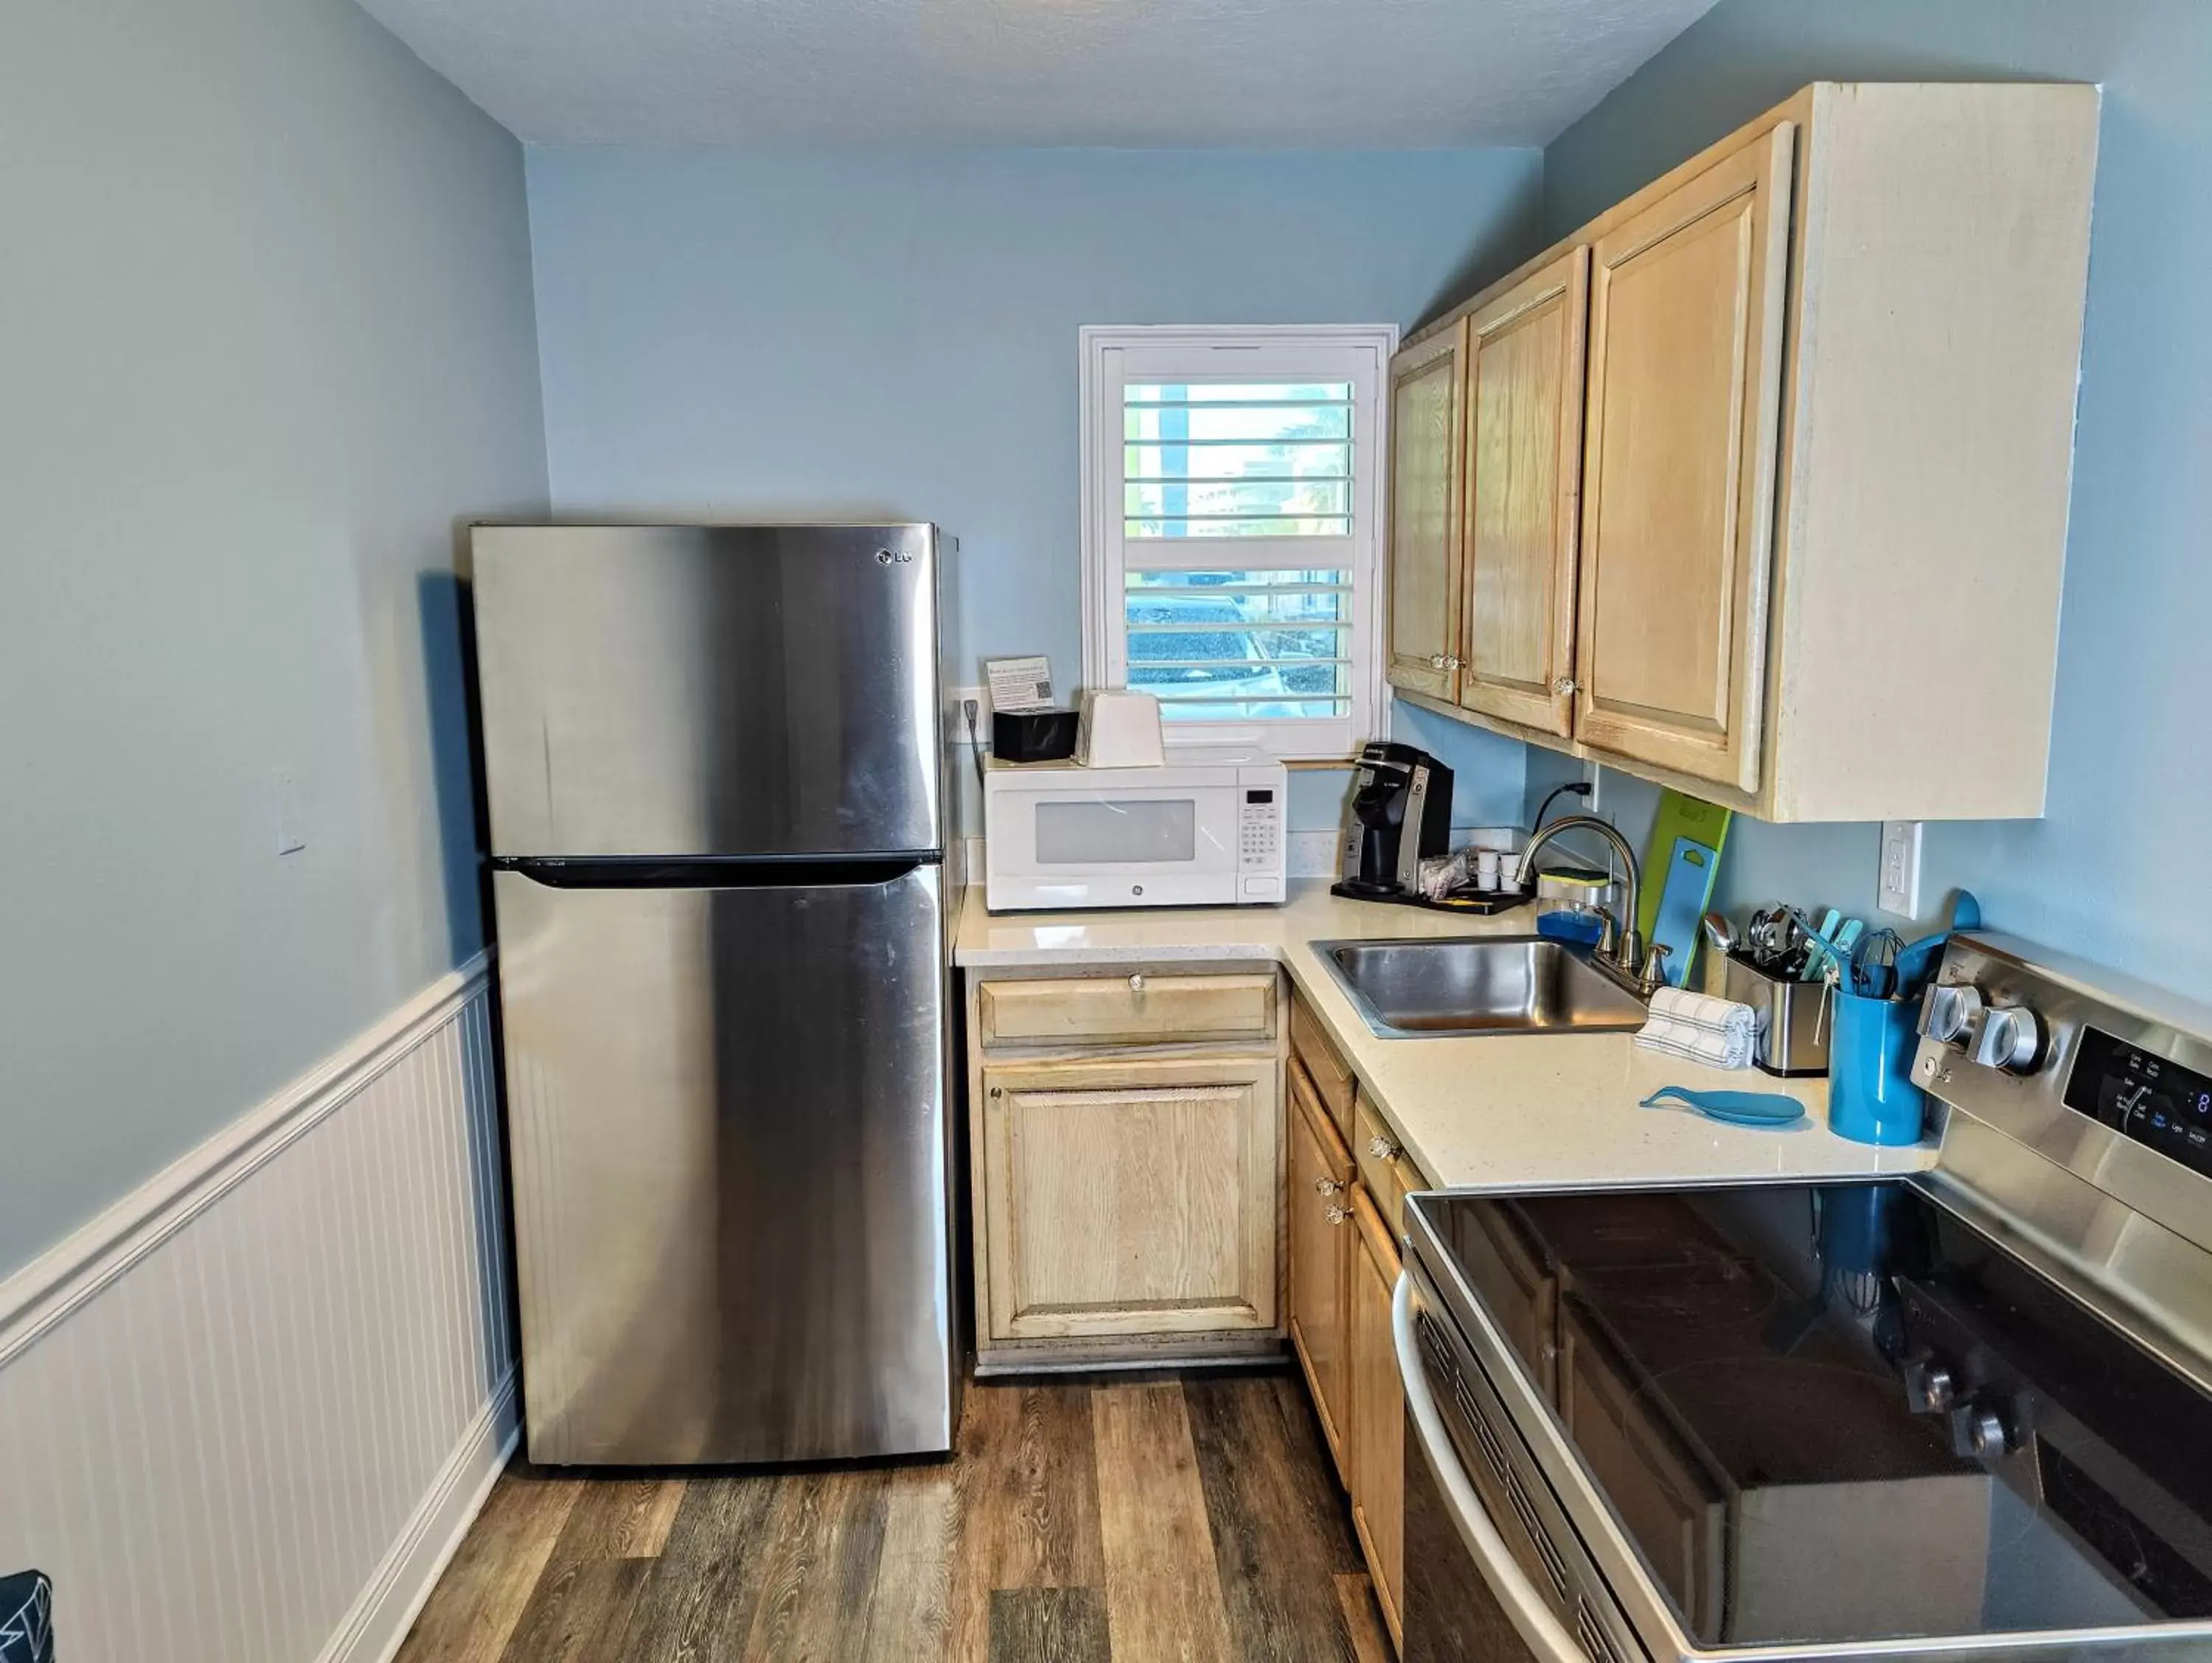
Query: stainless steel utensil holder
[(1794, 1018)]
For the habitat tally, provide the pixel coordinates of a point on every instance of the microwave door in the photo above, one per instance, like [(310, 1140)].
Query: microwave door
[(1078, 847)]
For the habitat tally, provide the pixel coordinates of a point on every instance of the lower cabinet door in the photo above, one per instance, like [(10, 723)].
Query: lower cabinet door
[(1321, 1235), (1130, 1197), (1377, 1434)]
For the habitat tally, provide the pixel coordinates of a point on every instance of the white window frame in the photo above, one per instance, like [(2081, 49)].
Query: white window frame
[(1114, 354)]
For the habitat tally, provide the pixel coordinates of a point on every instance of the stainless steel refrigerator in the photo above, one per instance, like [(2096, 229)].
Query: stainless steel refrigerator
[(718, 810)]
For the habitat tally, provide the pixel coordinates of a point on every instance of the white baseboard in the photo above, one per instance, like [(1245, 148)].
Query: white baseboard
[(377, 1626), (45, 1291), (252, 1407)]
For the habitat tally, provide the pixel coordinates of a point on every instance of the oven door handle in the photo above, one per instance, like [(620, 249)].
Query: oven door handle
[(1534, 1620)]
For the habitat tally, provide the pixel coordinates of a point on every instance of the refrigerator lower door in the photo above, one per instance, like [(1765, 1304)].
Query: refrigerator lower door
[(731, 1163)]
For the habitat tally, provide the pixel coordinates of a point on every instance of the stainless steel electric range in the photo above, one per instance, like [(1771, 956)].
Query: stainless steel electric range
[(1963, 1415)]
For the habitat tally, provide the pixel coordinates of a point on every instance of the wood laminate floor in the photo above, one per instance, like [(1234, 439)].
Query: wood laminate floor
[(1175, 1521)]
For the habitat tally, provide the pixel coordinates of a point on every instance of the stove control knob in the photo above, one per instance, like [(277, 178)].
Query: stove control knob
[(1950, 1013), (1977, 1433), (2011, 1039), (1929, 1388)]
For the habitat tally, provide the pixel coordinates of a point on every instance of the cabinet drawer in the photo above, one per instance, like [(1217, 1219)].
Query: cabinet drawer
[(1332, 1078), (1386, 1169), (1141, 1009)]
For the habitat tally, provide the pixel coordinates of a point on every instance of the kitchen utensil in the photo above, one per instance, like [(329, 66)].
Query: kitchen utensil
[(1748, 1108), (1677, 816), (1916, 964), (1873, 964), (1685, 885), (1719, 931)]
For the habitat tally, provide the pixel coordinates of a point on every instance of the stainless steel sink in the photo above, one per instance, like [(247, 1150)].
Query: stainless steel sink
[(1484, 985)]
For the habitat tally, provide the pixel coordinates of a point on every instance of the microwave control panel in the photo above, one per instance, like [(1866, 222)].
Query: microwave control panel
[(1261, 842)]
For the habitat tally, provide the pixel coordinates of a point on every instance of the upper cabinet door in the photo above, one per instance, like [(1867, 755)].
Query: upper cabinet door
[(1426, 413), (1524, 435), (1684, 384)]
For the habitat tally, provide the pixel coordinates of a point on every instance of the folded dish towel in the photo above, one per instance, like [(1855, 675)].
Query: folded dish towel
[(1718, 1033)]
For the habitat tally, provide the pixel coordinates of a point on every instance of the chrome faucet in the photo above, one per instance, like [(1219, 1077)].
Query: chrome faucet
[(1626, 950)]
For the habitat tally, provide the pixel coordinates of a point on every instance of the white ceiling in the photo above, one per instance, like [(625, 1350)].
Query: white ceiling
[(1155, 73)]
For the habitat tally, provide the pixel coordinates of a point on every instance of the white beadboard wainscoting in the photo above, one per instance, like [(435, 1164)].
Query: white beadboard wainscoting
[(248, 1412)]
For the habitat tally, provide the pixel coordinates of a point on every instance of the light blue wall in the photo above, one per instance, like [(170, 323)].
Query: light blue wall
[(266, 333), (2115, 870), (861, 334)]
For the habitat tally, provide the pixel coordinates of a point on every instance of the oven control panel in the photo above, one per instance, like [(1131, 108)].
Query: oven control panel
[(2151, 1099)]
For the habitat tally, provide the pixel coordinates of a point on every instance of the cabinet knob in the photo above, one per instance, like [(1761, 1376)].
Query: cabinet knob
[(1383, 1149), (1438, 661), (1455, 663), (998, 1091), (1336, 1215), (1326, 1186), (1564, 686), (1136, 983)]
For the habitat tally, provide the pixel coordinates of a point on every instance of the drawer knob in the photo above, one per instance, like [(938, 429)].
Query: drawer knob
[(1326, 1186), (1564, 686), (1336, 1215), (1136, 983), (1383, 1149)]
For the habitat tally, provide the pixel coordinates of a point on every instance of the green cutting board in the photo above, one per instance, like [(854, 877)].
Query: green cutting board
[(1679, 817)]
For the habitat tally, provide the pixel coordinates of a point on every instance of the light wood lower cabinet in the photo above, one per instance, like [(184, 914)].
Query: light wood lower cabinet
[(1377, 1433), (1344, 1265), (1130, 1196), (1321, 1240)]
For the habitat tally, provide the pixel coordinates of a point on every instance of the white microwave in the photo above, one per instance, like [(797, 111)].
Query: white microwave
[(1205, 829)]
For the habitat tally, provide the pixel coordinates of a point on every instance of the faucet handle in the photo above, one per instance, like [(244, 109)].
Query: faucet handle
[(1653, 975)]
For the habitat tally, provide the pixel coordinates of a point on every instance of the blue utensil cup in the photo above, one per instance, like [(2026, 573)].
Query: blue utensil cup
[(1871, 1096)]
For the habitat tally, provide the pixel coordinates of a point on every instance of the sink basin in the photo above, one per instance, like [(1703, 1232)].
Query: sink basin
[(1486, 984)]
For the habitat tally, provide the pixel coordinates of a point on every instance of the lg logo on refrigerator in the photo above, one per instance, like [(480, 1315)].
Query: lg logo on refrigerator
[(887, 556)]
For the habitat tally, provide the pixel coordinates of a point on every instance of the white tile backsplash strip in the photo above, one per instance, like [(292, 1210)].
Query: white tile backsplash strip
[(247, 1414)]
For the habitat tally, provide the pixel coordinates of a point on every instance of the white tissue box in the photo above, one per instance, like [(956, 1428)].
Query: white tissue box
[(1119, 729)]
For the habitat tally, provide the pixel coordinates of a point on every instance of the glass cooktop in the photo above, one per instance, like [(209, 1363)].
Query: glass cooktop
[(1823, 1412)]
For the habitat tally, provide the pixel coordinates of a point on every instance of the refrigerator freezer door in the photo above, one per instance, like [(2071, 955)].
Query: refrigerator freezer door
[(731, 1159), (702, 689)]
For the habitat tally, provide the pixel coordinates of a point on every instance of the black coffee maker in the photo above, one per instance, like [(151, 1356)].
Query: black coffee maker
[(1400, 815)]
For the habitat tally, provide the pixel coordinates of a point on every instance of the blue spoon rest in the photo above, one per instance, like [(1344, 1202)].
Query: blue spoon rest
[(1743, 1109)]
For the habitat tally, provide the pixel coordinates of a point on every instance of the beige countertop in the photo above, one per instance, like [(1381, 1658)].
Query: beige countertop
[(1517, 1111)]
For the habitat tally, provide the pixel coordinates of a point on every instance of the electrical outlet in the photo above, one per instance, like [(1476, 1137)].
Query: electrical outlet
[(1592, 774), (956, 714), (1900, 868)]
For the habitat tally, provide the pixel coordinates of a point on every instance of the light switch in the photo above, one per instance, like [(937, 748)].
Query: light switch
[(291, 812)]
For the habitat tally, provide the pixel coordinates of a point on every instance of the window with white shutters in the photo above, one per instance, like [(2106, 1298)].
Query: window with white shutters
[(1231, 516)]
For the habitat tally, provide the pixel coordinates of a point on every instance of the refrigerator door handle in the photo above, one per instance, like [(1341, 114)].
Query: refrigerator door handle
[(789, 873)]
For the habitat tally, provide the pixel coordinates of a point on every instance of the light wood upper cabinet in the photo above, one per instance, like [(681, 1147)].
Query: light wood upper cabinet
[(1523, 473), (1127, 1196), (1685, 382), (1826, 423), (1377, 1434), (1426, 407), (1319, 1202)]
